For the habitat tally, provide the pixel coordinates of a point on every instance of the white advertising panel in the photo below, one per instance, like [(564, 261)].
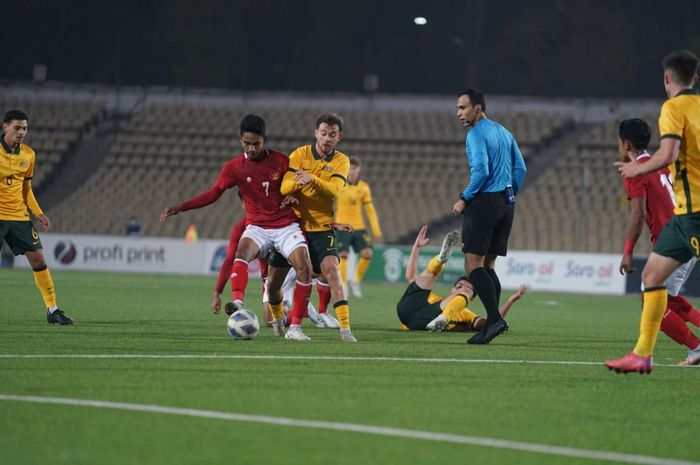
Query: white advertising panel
[(562, 271)]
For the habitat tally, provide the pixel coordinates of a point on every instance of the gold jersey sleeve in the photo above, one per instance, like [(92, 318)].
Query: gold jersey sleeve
[(16, 172), (680, 119), (316, 199)]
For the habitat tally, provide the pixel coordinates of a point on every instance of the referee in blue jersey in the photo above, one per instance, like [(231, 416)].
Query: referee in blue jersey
[(488, 204)]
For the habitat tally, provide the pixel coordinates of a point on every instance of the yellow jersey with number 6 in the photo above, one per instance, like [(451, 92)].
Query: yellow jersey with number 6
[(16, 171)]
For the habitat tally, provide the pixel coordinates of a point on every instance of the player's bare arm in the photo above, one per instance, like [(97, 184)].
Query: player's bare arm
[(458, 207), (216, 303), (412, 266), (635, 223), (344, 227), (169, 211), (664, 156), (44, 221), (288, 201)]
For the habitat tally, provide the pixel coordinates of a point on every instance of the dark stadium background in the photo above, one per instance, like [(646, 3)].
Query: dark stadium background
[(592, 48)]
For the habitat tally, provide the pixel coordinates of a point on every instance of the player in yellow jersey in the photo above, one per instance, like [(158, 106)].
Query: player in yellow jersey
[(17, 201), (317, 173), (357, 196), (679, 241), (420, 309)]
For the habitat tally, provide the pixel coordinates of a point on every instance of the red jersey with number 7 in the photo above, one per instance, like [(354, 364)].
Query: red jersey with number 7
[(259, 183), (657, 188)]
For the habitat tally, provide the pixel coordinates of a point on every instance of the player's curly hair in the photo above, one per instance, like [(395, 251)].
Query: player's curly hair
[(635, 131), (331, 119)]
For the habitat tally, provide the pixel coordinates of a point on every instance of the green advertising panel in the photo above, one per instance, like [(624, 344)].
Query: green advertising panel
[(389, 263)]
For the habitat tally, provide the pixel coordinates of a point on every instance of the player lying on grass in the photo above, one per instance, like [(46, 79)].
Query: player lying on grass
[(420, 309)]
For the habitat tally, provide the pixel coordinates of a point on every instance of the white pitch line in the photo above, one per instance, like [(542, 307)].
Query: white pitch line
[(359, 428), (311, 357)]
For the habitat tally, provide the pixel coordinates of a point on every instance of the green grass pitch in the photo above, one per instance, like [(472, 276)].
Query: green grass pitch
[(384, 380)]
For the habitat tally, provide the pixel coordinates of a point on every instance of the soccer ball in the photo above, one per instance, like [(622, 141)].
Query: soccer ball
[(243, 324)]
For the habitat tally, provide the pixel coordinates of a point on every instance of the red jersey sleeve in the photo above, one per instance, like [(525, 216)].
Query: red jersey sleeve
[(225, 181), (636, 188)]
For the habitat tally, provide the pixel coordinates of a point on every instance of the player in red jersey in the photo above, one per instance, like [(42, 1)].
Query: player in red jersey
[(258, 174), (652, 201)]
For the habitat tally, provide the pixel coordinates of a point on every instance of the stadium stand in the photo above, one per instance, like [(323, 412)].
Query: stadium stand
[(56, 126), (580, 203), (166, 153)]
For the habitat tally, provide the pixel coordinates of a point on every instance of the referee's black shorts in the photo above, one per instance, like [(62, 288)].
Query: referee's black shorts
[(486, 224)]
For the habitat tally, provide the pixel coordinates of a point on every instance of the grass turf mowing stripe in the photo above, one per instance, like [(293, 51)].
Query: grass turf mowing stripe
[(357, 428), (314, 357)]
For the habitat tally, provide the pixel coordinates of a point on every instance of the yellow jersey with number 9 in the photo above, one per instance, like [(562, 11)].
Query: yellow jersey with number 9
[(680, 119)]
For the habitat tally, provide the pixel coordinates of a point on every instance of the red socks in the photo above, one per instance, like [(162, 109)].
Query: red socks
[(684, 309), (324, 296), (302, 293), (239, 279), (674, 327)]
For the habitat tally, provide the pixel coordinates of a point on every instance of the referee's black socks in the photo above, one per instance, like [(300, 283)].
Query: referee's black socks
[(496, 283), (486, 290)]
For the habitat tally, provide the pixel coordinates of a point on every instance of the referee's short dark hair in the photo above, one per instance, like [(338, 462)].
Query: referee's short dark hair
[(682, 65), (476, 97), (636, 131), (15, 115), (254, 124)]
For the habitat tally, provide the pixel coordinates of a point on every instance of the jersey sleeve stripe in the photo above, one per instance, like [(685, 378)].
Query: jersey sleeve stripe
[(341, 177), (671, 136), (291, 170)]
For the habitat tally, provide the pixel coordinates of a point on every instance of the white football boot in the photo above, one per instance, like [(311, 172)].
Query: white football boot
[(328, 321), (439, 323), (450, 241), (295, 333), (355, 288), (346, 335)]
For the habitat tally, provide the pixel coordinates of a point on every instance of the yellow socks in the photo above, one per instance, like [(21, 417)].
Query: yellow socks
[(343, 268), (43, 281), (277, 310), (654, 304), (434, 266), (361, 268), (342, 311)]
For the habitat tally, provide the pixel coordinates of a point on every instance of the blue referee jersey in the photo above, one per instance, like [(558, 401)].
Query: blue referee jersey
[(494, 160)]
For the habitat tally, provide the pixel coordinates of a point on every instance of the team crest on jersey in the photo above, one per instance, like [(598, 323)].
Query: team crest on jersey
[(327, 168), (23, 164), (275, 176), (249, 179)]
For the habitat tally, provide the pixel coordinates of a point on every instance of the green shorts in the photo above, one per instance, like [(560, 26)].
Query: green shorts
[(20, 236), (413, 308), (680, 238), (358, 240), (321, 245)]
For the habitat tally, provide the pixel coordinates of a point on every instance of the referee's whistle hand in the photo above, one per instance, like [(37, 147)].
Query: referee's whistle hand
[(458, 208)]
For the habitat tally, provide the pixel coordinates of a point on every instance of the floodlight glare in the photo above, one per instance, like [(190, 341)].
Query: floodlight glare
[(420, 21)]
